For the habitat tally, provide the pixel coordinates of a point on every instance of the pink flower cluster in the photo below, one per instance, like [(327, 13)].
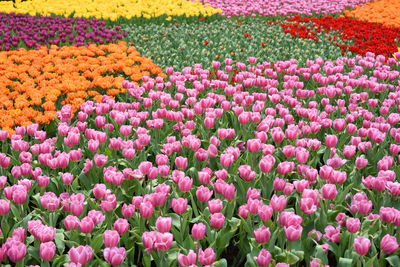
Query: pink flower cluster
[(274, 8), (265, 156)]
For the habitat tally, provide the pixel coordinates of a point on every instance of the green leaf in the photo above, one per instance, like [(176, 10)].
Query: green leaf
[(97, 242), (221, 263), (394, 260), (250, 261), (60, 261), (59, 240), (16, 212), (34, 252), (345, 262)]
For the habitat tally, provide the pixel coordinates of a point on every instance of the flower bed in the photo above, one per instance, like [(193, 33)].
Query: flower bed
[(274, 163), (40, 81), (110, 10), (363, 36), (384, 12), (24, 31), (183, 43), (283, 8)]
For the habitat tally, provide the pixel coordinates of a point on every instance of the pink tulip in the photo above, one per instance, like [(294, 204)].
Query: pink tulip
[(181, 163), (332, 234), (115, 256), (185, 184), (278, 203), (389, 244), (199, 231), (163, 241), (121, 226), (253, 145), (262, 235), (285, 168), (86, 225), (111, 238), (331, 141), (217, 220), (228, 192), (19, 234), (361, 163), (71, 222), (164, 224), (128, 211), (214, 205), (16, 251), (362, 245), (264, 258), (387, 214), (301, 155), (307, 205), (329, 191), (353, 225), (47, 251), (4, 207), (203, 194), (246, 173), (207, 256), (243, 211), (179, 205), (266, 164), (293, 233), (81, 255), (189, 260), (146, 209), (226, 160)]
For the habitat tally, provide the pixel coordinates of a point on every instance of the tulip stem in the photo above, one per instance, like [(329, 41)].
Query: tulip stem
[(350, 242), (45, 263)]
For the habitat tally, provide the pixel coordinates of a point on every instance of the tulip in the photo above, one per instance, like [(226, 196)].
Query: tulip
[(47, 251), (128, 211), (189, 260), (164, 224), (329, 191), (16, 251), (80, 255), (293, 233), (71, 222), (111, 238), (121, 226), (86, 225), (278, 203), (185, 184), (353, 225), (362, 245), (146, 210), (163, 241), (389, 244), (203, 194), (207, 256), (115, 256), (262, 235), (264, 258), (332, 234), (331, 141), (181, 163), (214, 205), (179, 205), (199, 231), (217, 220), (243, 211), (246, 173)]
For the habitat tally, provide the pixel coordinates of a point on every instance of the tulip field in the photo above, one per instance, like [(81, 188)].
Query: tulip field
[(200, 133)]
